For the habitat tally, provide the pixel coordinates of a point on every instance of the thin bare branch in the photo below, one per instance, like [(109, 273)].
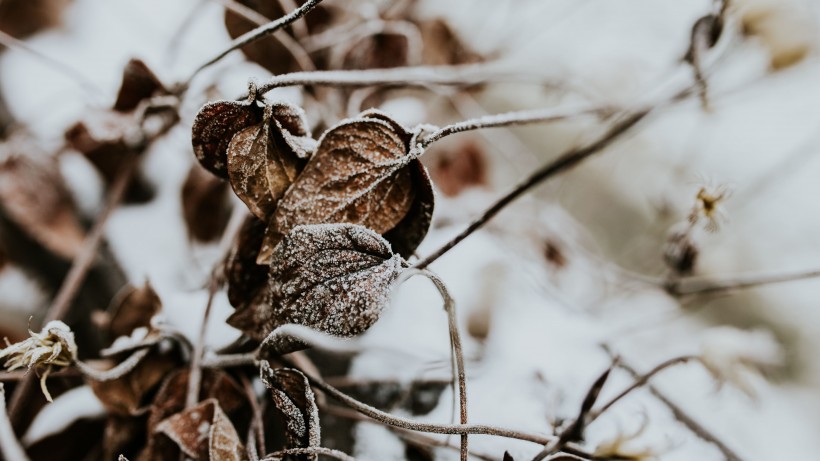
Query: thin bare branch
[(420, 76), (195, 375), (259, 33), (329, 452), (706, 285), (120, 370), (524, 117), (559, 165), (680, 415)]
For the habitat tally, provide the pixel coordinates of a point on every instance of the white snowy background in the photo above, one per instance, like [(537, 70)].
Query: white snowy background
[(545, 325)]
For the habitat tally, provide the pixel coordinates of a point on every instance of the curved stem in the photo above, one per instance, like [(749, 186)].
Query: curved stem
[(120, 370), (335, 454)]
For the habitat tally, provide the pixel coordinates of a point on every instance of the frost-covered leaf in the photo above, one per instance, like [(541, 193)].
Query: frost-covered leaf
[(205, 204), (170, 400), (361, 173), (265, 159), (214, 126), (203, 433), (334, 278), (296, 403), (34, 196)]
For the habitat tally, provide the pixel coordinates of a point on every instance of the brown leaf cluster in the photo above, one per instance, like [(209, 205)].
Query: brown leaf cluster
[(360, 172)]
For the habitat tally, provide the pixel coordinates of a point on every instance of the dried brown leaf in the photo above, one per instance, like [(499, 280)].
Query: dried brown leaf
[(34, 196), (265, 159), (203, 433), (296, 404), (126, 396), (334, 278), (138, 84), (21, 18), (133, 309), (170, 400), (214, 127), (377, 51), (357, 176), (244, 277), (205, 204), (459, 169), (441, 46)]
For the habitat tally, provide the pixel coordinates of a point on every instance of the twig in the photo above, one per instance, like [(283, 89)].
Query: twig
[(680, 415), (420, 76), (80, 79), (455, 344), (640, 382), (79, 268), (562, 163), (257, 34), (9, 445), (257, 424), (513, 119), (410, 424), (294, 48), (336, 454), (700, 285), (229, 360), (122, 368), (195, 375)]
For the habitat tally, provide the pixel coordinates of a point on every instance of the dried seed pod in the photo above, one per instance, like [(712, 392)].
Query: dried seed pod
[(296, 403)]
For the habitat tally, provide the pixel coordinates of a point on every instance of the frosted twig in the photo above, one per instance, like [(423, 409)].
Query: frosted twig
[(258, 33), (705, 285), (9, 445), (413, 425), (294, 48), (564, 162), (329, 452), (195, 375), (419, 76), (455, 343), (680, 415), (229, 360), (516, 118), (120, 370)]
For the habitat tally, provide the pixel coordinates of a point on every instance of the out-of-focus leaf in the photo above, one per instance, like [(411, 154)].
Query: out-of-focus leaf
[(205, 204), (34, 196), (296, 403), (127, 395)]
